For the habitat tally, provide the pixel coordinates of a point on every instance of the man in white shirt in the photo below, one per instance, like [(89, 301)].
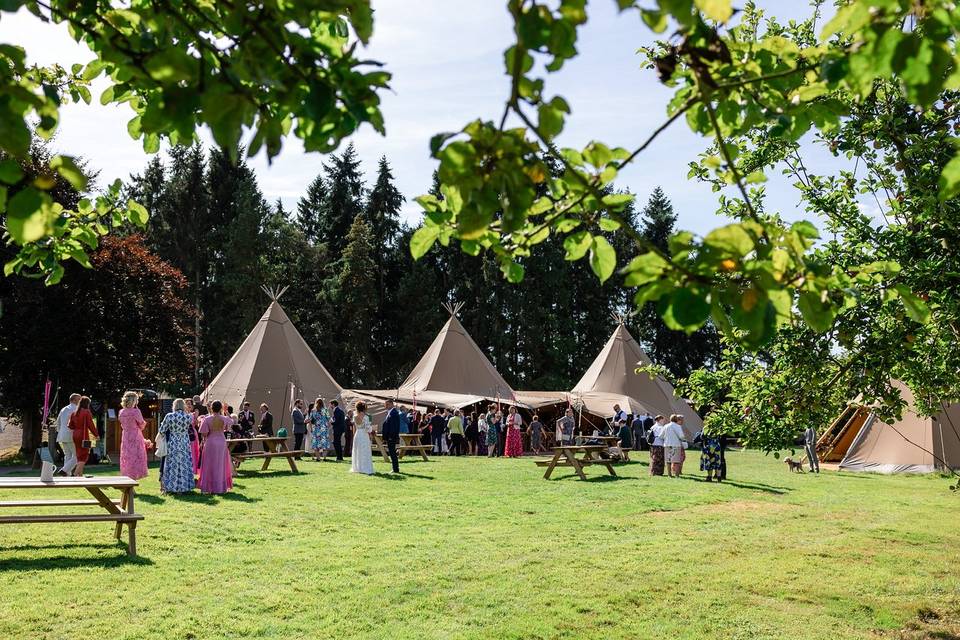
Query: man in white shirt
[(65, 435), (673, 439)]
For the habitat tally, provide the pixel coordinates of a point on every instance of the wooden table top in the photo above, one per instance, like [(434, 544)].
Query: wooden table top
[(258, 439), (583, 447), (68, 482)]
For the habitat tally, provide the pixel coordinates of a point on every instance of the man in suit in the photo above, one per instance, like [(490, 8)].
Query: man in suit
[(247, 420), (391, 433), (339, 427), (266, 424)]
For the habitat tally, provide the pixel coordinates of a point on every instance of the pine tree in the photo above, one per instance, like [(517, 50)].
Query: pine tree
[(310, 208), (356, 286), (658, 218), (344, 201), (383, 207)]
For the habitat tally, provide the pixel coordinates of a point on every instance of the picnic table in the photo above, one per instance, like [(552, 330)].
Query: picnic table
[(609, 441), (566, 456), (274, 447), (119, 511), (409, 442)]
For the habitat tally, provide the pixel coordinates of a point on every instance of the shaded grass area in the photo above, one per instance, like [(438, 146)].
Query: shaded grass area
[(480, 548)]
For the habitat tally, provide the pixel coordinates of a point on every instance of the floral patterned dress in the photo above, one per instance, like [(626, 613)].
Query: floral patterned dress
[(320, 431), (710, 453), (514, 444), (178, 465)]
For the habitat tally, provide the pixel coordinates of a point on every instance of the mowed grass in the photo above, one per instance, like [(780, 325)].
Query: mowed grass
[(479, 548)]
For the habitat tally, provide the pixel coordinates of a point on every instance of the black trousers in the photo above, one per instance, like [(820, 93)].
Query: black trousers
[(269, 434), (437, 441), (457, 442), (392, 452), (338, 442), (298, 441)]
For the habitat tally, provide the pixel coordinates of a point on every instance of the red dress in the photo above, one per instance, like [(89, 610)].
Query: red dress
[(513, 448), (81, 425)]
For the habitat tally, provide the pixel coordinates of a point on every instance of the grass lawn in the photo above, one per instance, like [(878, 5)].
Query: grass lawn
[(478, 548)]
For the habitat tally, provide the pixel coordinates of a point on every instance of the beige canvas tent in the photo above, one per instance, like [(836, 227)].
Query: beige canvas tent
[(861, 441), (612, 379), (453, 372), (273, 363)]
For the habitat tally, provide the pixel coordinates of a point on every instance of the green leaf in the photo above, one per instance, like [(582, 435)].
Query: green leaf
[(577, 244), (550, 122), (731, 239), (719, 10), (608, 224), (66, 167), (423, 238), (138, 213), (949, 182), (437, 141), (816, 313), (10, 171), (603, 258), (685, 310), (916, 308), (644, 268), (27, 218), (513, 271), (617, 201)]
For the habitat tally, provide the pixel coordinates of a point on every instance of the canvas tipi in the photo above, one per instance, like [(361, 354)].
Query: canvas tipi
[(861, 441), (453, 372), (272, 365), (612, 379)]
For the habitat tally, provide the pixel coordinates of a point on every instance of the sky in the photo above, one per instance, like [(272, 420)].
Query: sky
[(446, 57)]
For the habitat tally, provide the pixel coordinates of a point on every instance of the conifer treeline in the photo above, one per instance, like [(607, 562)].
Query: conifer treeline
[(363, 305)]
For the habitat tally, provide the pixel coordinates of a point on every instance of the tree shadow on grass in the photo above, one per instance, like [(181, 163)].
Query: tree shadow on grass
[(595, 478), (73, 562), (403, 475), (214, 498), (754, 486), (150, 499)]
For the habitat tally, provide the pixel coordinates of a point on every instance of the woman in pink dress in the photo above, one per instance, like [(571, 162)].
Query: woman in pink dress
[(194, 436), (133, 446), (514, 444), (215, 469)]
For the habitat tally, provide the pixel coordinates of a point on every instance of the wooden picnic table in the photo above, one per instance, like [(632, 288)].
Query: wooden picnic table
[(612, 440), (566, 456), (275, 447), (409, 442), (121, 511)]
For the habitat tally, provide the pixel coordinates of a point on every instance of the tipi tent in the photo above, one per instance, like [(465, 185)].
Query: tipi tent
[(453, 372), (612, 379), (273, 363), (914, 444)]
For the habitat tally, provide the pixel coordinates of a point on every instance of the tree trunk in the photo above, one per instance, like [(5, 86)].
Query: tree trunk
[(32, 433)]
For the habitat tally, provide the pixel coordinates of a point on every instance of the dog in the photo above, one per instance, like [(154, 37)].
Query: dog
[(794, 465)]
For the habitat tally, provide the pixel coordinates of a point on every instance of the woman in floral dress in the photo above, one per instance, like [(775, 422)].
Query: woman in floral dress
[(514, 445), (177, 474), (319, 430), (133, 447), (710, 457)]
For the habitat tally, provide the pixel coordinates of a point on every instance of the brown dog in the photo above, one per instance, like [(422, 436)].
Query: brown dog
[(794, 465)]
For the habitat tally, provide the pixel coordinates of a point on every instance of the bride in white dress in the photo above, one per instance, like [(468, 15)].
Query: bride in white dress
[(361, 460)]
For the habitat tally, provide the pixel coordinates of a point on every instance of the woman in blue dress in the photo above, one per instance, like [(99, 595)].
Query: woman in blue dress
[(710, 460), (177, 476), (319, 430)]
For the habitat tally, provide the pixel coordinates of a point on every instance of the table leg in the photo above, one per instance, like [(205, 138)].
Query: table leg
[(266, 463), (610, 469), (553, 463), (572, 458), (381, 447), (131, 526), (123, 505), (293, 464)]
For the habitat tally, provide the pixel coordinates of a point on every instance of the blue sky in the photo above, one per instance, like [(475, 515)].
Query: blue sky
[(446, 57)]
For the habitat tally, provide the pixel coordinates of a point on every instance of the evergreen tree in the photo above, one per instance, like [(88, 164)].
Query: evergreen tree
[(344, 200), (383, 207), (310, 208), (356, 285), (658, 218)]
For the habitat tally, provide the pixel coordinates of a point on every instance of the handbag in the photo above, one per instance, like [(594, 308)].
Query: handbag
[(86, 444), (160, 450)]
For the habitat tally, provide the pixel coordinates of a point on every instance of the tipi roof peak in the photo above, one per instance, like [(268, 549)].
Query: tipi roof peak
[(274, 293), (453, 308)]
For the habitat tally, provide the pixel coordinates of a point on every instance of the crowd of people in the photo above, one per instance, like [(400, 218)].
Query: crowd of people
[(191, 440)]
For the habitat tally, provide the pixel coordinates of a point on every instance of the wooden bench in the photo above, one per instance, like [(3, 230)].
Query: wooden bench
[(120, 512), (566, 456), (409, 442), (270, 455), (275, 448)]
